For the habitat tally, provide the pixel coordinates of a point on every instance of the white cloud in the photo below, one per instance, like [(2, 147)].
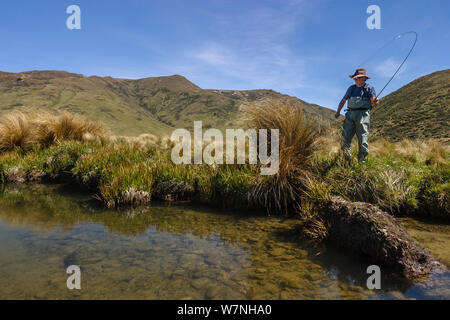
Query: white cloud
[(214, 55), (253, 48), (387, 67)]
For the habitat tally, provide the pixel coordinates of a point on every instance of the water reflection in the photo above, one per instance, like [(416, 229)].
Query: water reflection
[(172, 252)]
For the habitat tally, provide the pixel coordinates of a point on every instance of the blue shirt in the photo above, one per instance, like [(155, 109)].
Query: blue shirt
[(354, 91)]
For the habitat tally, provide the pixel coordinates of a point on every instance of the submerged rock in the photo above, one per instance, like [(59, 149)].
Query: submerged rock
[(365, 229)]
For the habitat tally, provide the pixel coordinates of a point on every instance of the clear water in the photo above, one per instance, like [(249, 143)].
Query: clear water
[(181, 252)]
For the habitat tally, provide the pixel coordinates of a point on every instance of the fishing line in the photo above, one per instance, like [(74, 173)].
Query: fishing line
[(404, 60)]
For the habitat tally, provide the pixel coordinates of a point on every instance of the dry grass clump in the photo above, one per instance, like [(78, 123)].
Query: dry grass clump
[(297, 135), (16, 131), (394, 189), (430, 151), (68, 126), (381, 148), (328, 143), (147, 138), (25, 131), (281, 192), (144, 140)]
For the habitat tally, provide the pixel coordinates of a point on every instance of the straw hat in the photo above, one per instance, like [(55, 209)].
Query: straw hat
[(360, 72)]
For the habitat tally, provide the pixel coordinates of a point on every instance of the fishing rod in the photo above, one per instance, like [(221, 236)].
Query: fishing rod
[(404, 60)]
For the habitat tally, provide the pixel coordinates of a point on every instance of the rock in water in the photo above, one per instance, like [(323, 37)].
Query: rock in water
[(71, 259), (365, 229)]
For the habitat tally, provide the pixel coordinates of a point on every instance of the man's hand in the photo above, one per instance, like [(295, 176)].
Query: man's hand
[(374, 101), (338, 111)]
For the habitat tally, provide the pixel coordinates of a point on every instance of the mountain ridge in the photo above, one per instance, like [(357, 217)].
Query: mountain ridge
[(133, 106)]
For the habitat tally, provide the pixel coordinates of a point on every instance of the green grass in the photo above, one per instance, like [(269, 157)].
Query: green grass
[(418, 110), (109, 171)]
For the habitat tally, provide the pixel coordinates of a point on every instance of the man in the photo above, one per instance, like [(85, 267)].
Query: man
[(361, 98)]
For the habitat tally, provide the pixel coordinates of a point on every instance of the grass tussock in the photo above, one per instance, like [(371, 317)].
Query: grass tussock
[(281, 192), (67, 126), (297, 134), (27, 131), (16, 131)]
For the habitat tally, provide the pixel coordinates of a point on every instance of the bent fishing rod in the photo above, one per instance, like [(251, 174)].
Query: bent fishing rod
[(404, 60)]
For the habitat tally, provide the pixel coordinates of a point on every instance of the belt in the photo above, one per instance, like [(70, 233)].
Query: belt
[(357, 109)]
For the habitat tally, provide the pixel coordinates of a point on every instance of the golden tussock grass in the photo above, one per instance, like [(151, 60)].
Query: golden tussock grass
[(25, 131), (281, 192), (297, 135), (16, 131)]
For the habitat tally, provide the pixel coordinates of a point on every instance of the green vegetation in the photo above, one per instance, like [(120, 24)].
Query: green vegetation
[(132, 107), (416, 111), (398, 177), (120, 171)]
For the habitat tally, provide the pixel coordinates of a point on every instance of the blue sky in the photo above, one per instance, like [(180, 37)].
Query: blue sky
[(297, 47)]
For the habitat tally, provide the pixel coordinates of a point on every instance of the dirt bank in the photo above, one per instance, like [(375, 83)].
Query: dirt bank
[(365, 229)]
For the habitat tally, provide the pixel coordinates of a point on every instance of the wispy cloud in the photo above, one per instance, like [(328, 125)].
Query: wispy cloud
[(215, 55), (253, 47), (387, 67)]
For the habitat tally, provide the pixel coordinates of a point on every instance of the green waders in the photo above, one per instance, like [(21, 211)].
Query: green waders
[(357, 120)]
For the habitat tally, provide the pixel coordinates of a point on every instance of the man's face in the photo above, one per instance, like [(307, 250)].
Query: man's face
[(360, 81)]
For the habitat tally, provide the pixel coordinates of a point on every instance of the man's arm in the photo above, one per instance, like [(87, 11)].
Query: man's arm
[(373, 96), (341, 104)]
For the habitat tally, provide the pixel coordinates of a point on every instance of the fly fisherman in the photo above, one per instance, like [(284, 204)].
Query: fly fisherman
[(361, 98)]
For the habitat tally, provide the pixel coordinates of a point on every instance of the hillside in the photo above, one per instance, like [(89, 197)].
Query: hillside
[(418, 110), (130, 107)]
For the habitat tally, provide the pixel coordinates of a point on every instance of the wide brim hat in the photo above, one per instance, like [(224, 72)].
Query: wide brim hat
[(359, 73)]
